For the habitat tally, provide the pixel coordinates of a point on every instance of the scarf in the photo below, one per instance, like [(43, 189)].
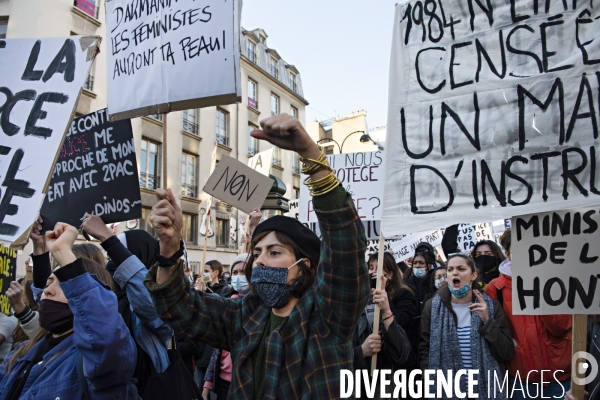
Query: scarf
[(506, 267), (444, 348)]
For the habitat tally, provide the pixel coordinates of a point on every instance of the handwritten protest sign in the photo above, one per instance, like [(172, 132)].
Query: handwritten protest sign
[(470, 234), (362, 175), (40, 81), (405, 247), (493, 111), (96, 173), (261, 162), (238, 185), (8, 265), (188, 50), (556, 262)]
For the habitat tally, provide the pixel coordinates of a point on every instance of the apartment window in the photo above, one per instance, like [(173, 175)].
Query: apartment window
[(3, 27), (188, 229), (87, 6), (294, 112), (252, 142), (328, 150), (158, 117), (188, 175), (274, 104), (251, 51), (222, 127), (150, 165), (252, 94), (189, 121), (145, 223), (295, 163), (262, 39), (276, 156), (222, 232), (273, 70), (293, 81), (295, 193), (89, 83)]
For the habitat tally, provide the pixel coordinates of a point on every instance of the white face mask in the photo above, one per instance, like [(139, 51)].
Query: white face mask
[(239, 282), (207, 274)]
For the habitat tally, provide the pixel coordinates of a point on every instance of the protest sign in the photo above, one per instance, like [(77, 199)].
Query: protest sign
[(171, 55), (556, 262), (361, 174), (405, 247), (8, 265), (470, 234), (238, 185), (96, 173), (493, 111), (261, 162), (40, 81)]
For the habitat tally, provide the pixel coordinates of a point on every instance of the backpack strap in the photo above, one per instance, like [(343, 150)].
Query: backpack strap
[(81, 377)]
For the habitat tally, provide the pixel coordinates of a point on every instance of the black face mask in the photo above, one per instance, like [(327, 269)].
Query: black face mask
[(486, 263), (55, 317), (372, 282)]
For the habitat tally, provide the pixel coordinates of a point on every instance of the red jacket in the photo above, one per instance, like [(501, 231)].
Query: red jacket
[(543, 342)]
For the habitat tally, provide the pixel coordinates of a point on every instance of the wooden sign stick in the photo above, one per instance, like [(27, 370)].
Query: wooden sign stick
[(579, 342), (378, 287)]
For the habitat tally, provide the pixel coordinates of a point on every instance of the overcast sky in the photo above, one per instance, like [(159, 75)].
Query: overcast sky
[(341, 48)]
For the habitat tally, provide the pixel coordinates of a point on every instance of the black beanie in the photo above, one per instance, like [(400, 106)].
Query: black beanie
[(300, 234)]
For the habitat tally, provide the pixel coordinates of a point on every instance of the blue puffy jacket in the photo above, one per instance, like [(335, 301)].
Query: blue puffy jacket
[(99, 334)]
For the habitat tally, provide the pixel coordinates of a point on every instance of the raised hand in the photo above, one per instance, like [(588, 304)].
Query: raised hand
[(287, 133), (94, 226), (37, 237), (60, 242), (14, 294), (167, 221), (480, 308), (255, 217)]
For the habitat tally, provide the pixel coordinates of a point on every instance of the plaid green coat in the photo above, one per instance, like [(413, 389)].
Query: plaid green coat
[(305, 356)]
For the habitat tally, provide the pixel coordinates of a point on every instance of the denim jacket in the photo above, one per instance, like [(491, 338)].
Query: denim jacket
[(149, 331), (99, 334)]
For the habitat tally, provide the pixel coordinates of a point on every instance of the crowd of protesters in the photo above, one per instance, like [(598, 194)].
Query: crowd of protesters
[(281, 323)]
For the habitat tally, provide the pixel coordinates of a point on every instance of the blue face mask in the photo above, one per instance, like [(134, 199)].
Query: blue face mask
[(271, 284), (459, 293), (420, 272), (239, 282)]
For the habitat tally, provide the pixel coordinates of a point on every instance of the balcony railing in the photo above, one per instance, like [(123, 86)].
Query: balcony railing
[(296, 169), (89, 83), (224, 140), (189, 190), (149, 181), (252, 103), (190, 126), (252, 151), (158, 117), (276, 162)]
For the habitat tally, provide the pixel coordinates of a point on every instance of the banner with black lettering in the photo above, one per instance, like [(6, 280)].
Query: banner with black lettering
[(493, 111), (40, 81), (171, 55), (556, 262), (96, 173), (8, 267)]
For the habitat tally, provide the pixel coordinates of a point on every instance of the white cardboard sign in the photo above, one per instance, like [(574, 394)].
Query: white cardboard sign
[(171, 55), (362, 176), (238, 185), (556, 262), (40, 81), (493, 111), (405, 247), (261, 162)]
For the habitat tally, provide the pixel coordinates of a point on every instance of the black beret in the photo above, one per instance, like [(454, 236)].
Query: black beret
[(300, 234)]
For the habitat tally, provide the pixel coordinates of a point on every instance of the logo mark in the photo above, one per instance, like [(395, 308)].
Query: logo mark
[(582, 363)]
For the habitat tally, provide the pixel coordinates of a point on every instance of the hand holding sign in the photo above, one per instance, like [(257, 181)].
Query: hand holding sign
[(94, 226), (167, 220)]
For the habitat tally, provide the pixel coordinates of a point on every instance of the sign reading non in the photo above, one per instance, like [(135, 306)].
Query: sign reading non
[(556, 262), (493, 111), (362, 175), (40, 81), (171, 55), (8, 265), (238, 185), (96, 173)]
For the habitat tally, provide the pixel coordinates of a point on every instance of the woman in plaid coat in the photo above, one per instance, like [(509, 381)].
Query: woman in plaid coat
[(292, 334)]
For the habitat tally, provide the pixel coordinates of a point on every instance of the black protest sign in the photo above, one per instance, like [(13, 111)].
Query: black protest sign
[(238, 185), (8, 265), (96, 173), (556, 262)]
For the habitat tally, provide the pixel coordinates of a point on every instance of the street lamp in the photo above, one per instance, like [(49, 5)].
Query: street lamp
[(366, 138)]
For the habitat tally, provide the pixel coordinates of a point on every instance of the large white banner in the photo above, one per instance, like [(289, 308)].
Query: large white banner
[(40, 81), (171, 55), (361, 174), (556, 262), (493, 111)]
